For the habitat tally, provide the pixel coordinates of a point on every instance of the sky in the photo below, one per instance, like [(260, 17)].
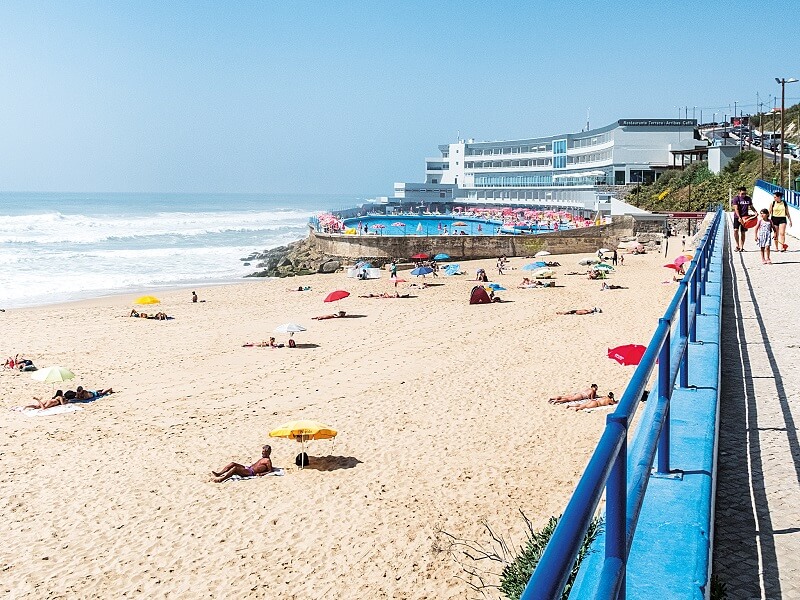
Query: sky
[(334, 97)]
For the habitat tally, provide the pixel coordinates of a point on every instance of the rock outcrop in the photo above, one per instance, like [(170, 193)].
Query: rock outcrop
[(297, 258)]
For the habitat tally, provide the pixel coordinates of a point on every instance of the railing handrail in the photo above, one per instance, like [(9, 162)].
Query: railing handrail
[(789, 196), (608, 467)]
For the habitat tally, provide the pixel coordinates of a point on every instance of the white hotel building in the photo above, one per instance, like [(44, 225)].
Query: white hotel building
[(573, 170)]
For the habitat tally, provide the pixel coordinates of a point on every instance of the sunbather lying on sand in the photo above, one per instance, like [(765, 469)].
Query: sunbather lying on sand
[(261, 467), (387, 295), (82, 394), (580, 311), (607, 286), (605, 401), (338, 315), (589, 393), (56, 400)]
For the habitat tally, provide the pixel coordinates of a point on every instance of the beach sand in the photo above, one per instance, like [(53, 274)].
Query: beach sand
[(441, 409)]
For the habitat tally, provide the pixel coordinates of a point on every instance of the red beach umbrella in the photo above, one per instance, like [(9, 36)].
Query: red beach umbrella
[(398, 224), (672, 266), (337, 295), (630, 354), (421, 256)]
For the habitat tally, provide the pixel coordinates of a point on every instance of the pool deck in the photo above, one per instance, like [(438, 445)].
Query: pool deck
[(757, 525)]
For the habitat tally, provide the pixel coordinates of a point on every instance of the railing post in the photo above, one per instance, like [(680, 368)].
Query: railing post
[(701, 288), (616, 502), (683, 333), (665, 393)]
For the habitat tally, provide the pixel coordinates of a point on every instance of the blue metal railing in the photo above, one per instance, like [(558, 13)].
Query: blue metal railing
[(789, 196), (608, 466)]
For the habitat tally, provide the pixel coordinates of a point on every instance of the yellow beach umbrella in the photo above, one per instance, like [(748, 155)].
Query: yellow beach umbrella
[(147, 300), (303, 431)]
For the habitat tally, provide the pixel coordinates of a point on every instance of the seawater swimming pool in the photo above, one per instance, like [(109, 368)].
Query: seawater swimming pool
[(424, 225)]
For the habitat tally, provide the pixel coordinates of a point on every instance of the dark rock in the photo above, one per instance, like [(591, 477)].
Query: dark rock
[(330, 266)]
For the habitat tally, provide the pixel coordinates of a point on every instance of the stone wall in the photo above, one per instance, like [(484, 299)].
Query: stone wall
[(587, 239)]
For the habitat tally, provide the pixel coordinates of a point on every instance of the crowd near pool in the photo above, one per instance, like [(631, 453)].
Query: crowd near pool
[(494, 222)]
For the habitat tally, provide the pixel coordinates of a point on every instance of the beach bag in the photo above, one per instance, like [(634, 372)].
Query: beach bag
[(750, 221), (301, 460)]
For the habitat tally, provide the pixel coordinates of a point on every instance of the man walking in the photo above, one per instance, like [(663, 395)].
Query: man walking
[(742, 205)]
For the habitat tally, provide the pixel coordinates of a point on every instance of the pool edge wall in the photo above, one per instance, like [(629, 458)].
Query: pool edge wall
[(466, 247)]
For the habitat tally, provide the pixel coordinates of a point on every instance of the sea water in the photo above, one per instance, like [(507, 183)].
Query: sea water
[(60, 247)]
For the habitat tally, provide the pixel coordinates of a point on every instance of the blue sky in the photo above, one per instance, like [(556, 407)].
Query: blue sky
[(349, 97)]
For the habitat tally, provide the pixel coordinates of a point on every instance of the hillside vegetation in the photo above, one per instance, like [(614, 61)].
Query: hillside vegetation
[(698, 189)]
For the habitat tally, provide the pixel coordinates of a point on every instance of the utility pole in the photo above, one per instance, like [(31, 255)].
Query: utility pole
[(761, 124), (783, 81), (774, 109)]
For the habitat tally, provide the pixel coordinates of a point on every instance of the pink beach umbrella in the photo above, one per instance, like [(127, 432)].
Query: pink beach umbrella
[(681, 259)]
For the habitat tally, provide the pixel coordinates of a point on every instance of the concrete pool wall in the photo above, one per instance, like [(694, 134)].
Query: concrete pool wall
[(464, 247)]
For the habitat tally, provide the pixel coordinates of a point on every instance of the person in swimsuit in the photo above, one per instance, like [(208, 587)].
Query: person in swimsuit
[(82, 394), (606, 401), (580, 311), (338, 315), (261, 467), (589, 393), (56, 400)]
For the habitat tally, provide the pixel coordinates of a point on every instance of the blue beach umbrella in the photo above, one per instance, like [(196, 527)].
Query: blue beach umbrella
[(496, 287), (421, 271), (442, 256), (534, 265), (452, 269)]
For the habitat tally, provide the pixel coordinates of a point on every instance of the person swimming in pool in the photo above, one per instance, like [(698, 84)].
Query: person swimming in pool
[(261, 467)]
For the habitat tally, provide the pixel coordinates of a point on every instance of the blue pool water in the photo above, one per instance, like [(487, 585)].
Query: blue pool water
[(424, 225)]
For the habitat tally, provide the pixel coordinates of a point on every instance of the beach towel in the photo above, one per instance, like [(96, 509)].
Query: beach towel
[(45, 412), (276, 472)]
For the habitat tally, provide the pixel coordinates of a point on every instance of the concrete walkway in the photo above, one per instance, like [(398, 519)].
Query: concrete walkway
[(757, 525)]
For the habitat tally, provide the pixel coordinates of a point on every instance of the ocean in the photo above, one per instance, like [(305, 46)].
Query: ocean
[(58, 247)]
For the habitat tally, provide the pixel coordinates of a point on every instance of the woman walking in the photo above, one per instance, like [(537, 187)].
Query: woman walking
[(764, 233), (779, 212)]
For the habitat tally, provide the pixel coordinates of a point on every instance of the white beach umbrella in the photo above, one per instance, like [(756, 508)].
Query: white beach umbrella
[(54, 374), (541, 253), (604, 250), (544, 273), (290, 328)]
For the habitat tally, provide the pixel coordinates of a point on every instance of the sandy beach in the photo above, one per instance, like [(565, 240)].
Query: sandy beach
[(441, 409)]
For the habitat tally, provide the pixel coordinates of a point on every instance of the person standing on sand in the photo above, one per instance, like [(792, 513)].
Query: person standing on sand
[(742, 204), (393, 270), (261, 467), (194, 296)]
